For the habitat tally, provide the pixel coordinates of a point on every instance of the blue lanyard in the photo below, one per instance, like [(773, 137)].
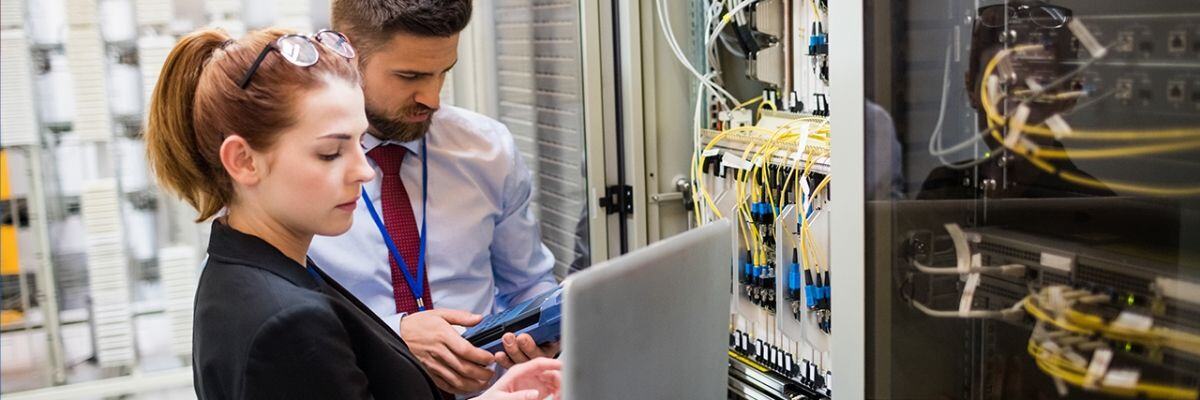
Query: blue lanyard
[(417, 286), (313, 272)]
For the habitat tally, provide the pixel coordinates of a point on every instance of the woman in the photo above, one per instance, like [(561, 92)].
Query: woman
[(267, 128)]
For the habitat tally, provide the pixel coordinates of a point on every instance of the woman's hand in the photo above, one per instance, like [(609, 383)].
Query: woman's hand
[(536, 379)]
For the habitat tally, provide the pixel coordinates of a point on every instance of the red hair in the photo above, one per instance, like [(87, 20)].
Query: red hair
[(197, 103)]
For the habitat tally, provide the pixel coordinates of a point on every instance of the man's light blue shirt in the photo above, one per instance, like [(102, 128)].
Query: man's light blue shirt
[(484, 250)]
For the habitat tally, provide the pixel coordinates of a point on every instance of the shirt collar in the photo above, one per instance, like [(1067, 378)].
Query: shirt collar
[(369, 142)]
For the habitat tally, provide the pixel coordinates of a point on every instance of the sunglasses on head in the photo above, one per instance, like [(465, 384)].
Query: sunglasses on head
[(1042, 15), (300, 50)]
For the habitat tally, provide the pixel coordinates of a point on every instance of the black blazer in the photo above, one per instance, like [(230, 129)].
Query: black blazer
[(267, 329)]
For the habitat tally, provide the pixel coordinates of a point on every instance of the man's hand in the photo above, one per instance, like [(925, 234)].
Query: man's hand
[(533, 380), (455, 365), (519, 349)]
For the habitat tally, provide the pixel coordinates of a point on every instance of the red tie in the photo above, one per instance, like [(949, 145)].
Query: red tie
[(401, 225)]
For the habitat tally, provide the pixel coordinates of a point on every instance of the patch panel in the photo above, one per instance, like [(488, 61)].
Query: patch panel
[(1127, 284), (759, 159), (791, 373), (1148, 37)]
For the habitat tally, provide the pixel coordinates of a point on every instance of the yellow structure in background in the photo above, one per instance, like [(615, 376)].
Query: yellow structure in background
[(8, 232), (9, 261)]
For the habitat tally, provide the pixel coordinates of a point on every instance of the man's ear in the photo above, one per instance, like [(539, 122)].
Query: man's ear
[(238, 159)]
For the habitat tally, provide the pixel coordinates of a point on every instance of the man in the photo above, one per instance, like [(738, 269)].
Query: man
[(480, 242)]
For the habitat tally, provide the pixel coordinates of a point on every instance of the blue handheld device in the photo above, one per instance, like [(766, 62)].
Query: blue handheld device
[(540, 317)]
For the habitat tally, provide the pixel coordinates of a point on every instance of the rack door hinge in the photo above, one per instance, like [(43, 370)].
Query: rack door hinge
[(617, 198)]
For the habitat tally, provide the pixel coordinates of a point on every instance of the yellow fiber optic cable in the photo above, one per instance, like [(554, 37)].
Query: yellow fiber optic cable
[(1063, 174), (1042, 130), (748, 102), (1086, 154)]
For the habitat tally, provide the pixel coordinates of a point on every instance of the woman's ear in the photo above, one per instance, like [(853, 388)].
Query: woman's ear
[(238, 159)]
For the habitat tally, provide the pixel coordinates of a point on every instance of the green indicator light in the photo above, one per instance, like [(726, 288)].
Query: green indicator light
[(1129, 299), (1128, 347)]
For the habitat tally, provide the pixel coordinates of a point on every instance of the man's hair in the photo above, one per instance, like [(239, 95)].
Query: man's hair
[(371, 23)]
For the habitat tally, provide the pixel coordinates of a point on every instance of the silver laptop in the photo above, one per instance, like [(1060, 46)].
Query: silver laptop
[(652, 324)]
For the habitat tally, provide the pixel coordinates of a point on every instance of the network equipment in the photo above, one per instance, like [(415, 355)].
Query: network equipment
[(1076, 300), (761, 160), (1049, 235)]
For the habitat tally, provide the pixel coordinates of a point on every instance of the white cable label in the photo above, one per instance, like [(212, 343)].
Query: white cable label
[(711, 152), (1077, 360), (968, 296), (1057, 300), (732, 161), (1133, 321), (1061, 263), (1059, 126), (1121, 378), (1051, 347), (1033, 85), (1085, 37), (1097, 369), (1016, 126), (993, 90), (1060, 386)]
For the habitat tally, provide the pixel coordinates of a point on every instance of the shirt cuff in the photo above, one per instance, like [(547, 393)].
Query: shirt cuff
[(539, 288), (393, 321)]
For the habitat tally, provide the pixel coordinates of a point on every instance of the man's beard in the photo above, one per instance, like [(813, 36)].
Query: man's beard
[(396, 129)]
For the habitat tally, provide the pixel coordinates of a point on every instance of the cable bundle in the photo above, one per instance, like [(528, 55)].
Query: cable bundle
[(1009, 129), (1064, 333)]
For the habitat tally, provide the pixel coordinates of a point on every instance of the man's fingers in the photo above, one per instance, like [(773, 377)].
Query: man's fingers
[(527, 345), (504, 361), (462, 369), (465, 351), (458, 317), (443, 378), (513, 349)]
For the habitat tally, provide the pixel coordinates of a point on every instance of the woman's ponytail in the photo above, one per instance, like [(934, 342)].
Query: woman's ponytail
[(176, 151)]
